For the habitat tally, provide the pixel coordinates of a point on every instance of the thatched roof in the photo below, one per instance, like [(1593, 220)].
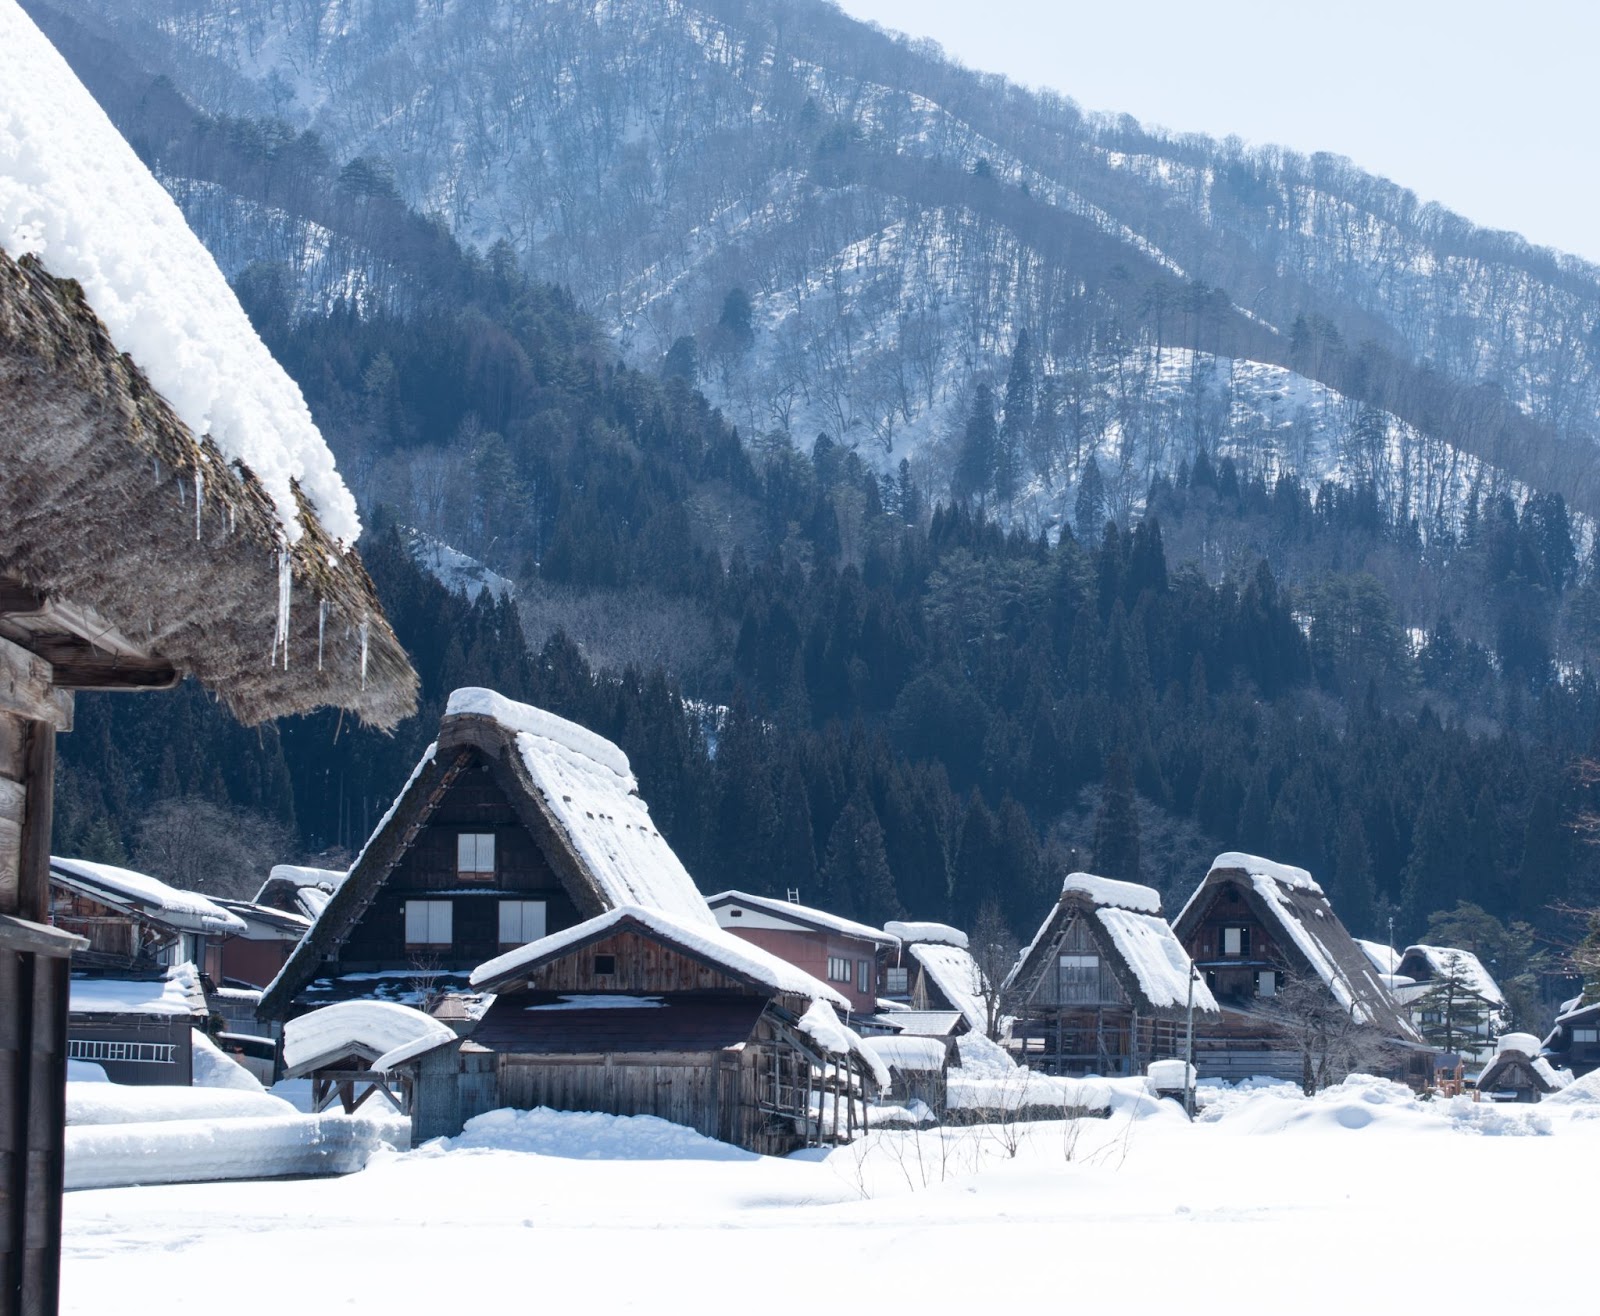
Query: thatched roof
[(109, 570), (1123, 919), (563, 784), (1288, 901)]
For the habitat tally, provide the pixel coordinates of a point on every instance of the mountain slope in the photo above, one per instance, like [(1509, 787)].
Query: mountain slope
[(855, 231)]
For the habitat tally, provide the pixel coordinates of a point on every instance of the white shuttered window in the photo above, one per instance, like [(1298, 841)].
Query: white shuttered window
[(521, 921), (428, 923)]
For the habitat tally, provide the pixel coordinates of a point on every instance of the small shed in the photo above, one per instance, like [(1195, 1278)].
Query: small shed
[(139, 1030), (1519, 1073), (919, 1067), (340, 1047), (636, 1012)]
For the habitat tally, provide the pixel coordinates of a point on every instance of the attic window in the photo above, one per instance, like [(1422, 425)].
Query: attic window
[(605, 966), (475, 856), (1586, 1036), (736, 913), (1236, 941)]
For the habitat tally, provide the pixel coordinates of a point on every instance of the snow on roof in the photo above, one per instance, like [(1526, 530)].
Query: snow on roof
[(1322, 963), (1447, 961), (898, 1052), (376, 1027), (822, 1026), (927, 934), (590, 791), (178, 993), (300, 875), (1526, 1043), (957, 976), (1385, 959), (800, 913), (188, 911), (73, 193), (1156, 958), (707, 941), (1256, 866), (1110, 891)]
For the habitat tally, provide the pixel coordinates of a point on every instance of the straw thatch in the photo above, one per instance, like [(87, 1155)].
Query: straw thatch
[(97, 508)]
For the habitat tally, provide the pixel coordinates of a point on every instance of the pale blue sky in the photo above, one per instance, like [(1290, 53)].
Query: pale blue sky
[(1489, 108)]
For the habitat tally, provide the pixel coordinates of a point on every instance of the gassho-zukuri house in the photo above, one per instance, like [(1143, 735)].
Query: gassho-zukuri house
[(515, 824), (1104, 987), (1254, 928), (168, 509)]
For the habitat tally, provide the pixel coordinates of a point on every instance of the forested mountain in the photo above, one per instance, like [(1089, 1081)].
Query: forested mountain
[(835, 230), (927, 485)]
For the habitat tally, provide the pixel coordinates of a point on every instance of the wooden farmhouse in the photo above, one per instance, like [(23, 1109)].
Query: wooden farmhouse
[(637, 1012), (1574, 1042), (1105, 986), (1519, 1073), (849, 956), (134, 549), (137, 991), (1287, 977), (515, 824), (935, 972), (1434, 983)]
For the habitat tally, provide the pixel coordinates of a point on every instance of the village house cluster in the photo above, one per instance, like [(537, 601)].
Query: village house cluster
[(517, 933)]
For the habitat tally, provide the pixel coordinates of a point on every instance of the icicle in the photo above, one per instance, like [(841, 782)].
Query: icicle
[(199, 495), (322, 626), (285, 580), (366, 630)]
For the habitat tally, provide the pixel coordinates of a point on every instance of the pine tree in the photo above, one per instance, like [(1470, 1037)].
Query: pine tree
[(1453, 1016), (975, 462), (1016, 430), (1089, 506), (855, 873), (1116, 825)]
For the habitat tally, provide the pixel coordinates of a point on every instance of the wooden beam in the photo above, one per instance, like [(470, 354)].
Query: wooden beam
[(25, 686), (19, 600), (33, 869)]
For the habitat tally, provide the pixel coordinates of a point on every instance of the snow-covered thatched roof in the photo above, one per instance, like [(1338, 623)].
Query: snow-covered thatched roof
[(169, 507), (1124, 920), (147, 897), (704, 942), (1427, 964), (1288, 901), (572, 790), (955, 980)]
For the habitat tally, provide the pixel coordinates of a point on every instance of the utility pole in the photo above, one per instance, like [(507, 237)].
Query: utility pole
[(1188, 1050)]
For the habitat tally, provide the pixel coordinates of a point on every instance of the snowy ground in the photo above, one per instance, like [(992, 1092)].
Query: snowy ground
[(1360, 1198)]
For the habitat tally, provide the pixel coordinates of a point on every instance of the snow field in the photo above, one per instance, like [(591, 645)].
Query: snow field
[(660, 1219)]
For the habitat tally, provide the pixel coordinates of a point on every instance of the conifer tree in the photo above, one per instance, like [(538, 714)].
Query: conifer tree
[(1116, 825)]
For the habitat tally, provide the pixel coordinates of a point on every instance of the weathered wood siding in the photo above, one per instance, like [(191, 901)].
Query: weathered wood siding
[(811, 951), (427, 871), (682, 1088), (641, 965)]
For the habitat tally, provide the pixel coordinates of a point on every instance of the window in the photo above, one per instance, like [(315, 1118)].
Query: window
[(521, 921), (838, 969), (605, 966), (428, 923), (1585, 1036), (1080, 978), (1267, 982), (1236, 941), (475, 855), (863, 975), (895, 981), (134, 1053)]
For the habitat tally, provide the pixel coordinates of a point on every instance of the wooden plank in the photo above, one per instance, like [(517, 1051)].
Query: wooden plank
[(19, 600), (10, 867), (13, 747), (13, 798), (25, 685)]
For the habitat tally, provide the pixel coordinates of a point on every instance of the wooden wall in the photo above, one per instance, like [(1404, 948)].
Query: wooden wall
[(13, 805), (427, 870), (643, 966)]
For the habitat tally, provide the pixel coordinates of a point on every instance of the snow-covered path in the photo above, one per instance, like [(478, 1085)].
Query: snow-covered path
[(1360, 1198)]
